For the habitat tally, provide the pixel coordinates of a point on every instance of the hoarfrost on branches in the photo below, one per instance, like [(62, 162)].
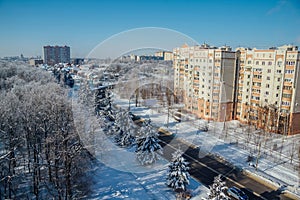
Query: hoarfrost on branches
[(125, 134), (148, 146), (178, 176), (217, 191)]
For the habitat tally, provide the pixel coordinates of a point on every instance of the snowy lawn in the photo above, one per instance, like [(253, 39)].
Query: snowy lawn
[(120, 176), (234, 148)]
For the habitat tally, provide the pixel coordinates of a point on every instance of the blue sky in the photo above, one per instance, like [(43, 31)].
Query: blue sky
[(26, 26)]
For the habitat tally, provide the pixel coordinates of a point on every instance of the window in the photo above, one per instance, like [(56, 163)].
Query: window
[(249, 62), (285, 103), (277, 95), (279, 63), (269, 71), (255, 98), (287, 95), (268, 78), (278, 87), (257, 62), (278, 71), (288, 80), (269, 63), (267, 85), (287, 87), (290, 62), (267, 93), (289, 71), (263, 63), (278, 79)]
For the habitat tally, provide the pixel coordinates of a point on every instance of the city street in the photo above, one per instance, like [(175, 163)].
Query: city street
[(206, 168)]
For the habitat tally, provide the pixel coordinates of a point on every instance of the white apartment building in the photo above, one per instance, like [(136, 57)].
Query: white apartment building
[(204, 80), (269, 88)]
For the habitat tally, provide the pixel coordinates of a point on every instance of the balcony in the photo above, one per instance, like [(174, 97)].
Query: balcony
[(287, 83), (257, 73), (287, 91), (289, 75), (257, 80), (290, 67)]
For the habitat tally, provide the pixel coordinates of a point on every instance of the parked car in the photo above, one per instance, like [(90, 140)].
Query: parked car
[(136, 119), (237, 193), (165, 135)]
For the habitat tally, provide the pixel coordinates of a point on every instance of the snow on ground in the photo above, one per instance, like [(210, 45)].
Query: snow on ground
[(120, 176), (231, 142)]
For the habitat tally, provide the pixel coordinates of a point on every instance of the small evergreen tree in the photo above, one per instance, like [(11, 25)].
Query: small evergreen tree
[(178, 176), (147, 145), (217, 191), (125, 136)]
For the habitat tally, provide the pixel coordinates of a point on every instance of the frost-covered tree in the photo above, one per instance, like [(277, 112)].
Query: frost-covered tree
[(147, 145), (217, 191), (125, 134), (178, 176), (40, 152)]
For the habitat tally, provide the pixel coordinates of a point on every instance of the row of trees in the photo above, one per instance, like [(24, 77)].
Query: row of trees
[(120, 126), (40, 152), (145, 139)]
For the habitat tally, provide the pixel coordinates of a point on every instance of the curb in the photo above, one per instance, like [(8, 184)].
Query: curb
[(270, 184)]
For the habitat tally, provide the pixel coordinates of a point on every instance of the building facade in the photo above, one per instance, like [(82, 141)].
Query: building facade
[(205, 79), (166, 55), (35, 62), (56, 54), (269, 89)]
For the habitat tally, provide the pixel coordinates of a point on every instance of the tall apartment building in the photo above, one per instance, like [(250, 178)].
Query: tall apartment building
[(205, 78), (269, 88), (56, 54)]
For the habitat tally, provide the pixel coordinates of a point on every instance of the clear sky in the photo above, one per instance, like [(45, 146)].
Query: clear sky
[(28, 25)]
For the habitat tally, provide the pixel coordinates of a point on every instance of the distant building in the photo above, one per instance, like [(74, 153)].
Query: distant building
[(166, 55), (35, 62), (150, 58), (77, 61), (56, 54)]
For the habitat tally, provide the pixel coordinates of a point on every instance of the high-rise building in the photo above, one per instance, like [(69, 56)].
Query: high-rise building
[(205, 79), (56, 54), (269, 88)]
